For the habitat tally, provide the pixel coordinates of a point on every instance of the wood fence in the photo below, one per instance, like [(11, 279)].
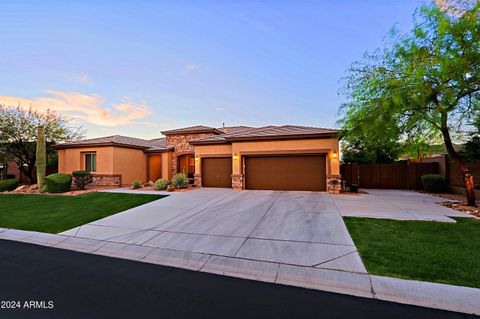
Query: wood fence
[(400, 175)]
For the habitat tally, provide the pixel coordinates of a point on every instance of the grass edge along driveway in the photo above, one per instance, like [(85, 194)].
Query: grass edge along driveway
[(56, 213), (420, 250)]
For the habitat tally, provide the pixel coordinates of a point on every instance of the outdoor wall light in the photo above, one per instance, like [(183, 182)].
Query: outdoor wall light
[(235, 157), (196, 158), (334, 154)]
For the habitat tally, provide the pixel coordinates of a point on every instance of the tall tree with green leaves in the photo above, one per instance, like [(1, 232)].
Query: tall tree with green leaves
[(18, 134), (423, 83)]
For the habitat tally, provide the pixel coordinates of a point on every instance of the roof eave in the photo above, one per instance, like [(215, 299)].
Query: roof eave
[(81, 145), (173, 132), (280, 137)]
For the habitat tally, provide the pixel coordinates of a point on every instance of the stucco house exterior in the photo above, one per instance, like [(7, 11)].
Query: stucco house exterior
[(285, 157)]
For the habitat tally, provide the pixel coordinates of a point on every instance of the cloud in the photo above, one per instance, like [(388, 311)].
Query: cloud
[(191, 67), (219, 109), (455, 8), (80, 78), (89, 108)]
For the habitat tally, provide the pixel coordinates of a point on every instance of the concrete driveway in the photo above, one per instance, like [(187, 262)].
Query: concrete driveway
[(290, 228)]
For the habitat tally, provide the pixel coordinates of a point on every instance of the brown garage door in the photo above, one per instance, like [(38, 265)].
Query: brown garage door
[(296, 172), (217, 172)]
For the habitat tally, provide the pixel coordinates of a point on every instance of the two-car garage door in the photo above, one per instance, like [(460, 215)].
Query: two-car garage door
[(292, 172), (282, 172)]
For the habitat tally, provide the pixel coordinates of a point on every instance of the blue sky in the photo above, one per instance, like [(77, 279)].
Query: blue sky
[(139, 67)]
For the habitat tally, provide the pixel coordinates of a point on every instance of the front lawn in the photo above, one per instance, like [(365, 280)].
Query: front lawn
[(429, 251), (54, 214)]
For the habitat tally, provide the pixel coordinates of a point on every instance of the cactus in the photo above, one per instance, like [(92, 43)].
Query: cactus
[(41, 157)]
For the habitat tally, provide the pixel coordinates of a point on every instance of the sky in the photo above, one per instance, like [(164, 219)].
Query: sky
[(139, 67)]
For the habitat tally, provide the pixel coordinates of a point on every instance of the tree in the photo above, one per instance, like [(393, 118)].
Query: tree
[(18, 131), (423, 83), (471, 149), (361, 150)]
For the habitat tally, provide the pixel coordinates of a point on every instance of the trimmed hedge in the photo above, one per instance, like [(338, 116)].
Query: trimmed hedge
[(8, 185), (180, 181), (434, 183), (58, 183), (160, 184)]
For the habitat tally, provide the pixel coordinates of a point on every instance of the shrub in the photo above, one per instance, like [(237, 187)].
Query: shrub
[(160, 184), (433, 183), (58, 183), (136, 184), (180, 181), (82, 178), (8, 185)]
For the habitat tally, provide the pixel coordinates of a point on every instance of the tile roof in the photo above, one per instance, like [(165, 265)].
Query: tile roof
[(192, 129), (158, 144), (268, 132)]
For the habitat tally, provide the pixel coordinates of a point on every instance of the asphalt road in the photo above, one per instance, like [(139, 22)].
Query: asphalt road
[(66, 284)]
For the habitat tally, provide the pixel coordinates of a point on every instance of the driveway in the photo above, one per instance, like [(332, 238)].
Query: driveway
[(289, 228), (395, 204)]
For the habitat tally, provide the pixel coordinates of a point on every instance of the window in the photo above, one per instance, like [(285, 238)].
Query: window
[(91, 162)]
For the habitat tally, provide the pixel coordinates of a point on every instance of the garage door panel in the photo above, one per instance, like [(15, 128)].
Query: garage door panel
[(217, 172), (299, 172)]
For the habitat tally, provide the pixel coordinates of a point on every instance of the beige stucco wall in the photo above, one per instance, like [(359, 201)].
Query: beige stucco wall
[(327, 145), (71, 159), (130, 163)]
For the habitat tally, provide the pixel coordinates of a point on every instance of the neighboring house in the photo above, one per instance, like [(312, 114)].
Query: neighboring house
[(272, 157)]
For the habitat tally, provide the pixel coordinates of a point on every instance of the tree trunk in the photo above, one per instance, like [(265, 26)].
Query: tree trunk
[(467, 175)]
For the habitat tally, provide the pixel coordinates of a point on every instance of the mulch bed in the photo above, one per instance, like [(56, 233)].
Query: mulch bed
[(457, 202)]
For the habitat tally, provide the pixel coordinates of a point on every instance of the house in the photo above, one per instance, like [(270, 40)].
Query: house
[(285, 157)]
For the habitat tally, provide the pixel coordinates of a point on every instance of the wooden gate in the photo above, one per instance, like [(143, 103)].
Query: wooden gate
[(400, 175)]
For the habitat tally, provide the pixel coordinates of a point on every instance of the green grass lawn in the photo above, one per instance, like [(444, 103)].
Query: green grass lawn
[(429, 251), (54, 214)]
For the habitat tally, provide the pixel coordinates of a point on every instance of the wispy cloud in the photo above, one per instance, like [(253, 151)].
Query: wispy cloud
[(80, 78), (190, 67), (89, 108), (455, 8)]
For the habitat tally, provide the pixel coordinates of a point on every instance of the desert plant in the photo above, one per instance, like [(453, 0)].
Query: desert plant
[(160, 184), (58, 183), (8, 185), (41, 154), (180, 181), (434, 183), (82, 179), (136, 184)]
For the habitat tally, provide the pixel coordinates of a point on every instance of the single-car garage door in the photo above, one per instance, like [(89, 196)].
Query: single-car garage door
[(217, 172), (292, 172)]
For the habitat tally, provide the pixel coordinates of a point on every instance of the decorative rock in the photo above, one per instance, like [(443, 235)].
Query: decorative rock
[(21, 189), (170, 188), (33, 187), (151, 183)]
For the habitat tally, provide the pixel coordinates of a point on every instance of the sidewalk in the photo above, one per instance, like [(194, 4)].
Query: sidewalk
[(440, 296)]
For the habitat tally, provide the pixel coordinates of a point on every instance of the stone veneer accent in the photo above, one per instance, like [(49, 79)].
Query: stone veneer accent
[(107, 180), (334, 189), (181, 147), (237, 182), (197, 180)]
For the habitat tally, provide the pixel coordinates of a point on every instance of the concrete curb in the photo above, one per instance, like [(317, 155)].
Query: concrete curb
[(426, 294)]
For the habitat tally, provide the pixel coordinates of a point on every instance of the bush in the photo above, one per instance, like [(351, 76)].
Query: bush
[(180, 181), (8, 185), (58, 183), (160, 184), (434, 183), (82, 178), (136, 184)]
